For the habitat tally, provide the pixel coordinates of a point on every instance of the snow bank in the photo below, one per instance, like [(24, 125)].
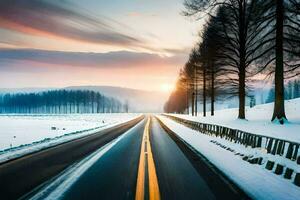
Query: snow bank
[(23, 134), (258, 120), (255, 180)]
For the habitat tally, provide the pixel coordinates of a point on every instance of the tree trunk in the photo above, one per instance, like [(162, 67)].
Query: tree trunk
[(242, 67), (196, 93), (193, 103), (204, 92), (242, 94), (212, 110), (279, 112), (187, 98)]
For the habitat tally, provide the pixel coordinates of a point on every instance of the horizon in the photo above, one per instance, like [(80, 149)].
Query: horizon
[(109, 86)]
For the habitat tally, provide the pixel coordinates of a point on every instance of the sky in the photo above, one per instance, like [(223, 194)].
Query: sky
[(138, 44)]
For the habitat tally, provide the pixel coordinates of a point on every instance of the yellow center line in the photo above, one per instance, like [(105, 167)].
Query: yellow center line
[(153, 182), (139, 195)]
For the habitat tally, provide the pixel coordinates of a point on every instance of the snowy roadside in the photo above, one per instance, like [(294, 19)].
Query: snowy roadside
[(20, 129), (77, 131), (254, 179), (258, 120)]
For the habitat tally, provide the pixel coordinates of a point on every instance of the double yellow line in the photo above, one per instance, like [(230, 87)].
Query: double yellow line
[(146, 157)]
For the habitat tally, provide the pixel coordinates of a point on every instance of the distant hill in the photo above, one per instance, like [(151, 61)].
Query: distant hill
[(139, 100)]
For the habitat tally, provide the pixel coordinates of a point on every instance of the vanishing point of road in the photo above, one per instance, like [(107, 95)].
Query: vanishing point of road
[(141, 159)]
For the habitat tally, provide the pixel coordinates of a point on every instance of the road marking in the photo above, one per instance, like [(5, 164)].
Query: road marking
[(139, 194), (153, 182), (152, 178)]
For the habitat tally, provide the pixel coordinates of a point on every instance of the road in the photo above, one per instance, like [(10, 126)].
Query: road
[(112, 176), (178, 179), (22, 175), (146, 162), (141, 159)]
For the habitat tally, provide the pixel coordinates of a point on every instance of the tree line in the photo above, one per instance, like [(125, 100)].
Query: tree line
[(292, 91), (60, 102), (240, 41)]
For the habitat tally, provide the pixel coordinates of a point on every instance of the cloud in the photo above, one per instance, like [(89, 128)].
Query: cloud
[(118, 59), (58, 18)]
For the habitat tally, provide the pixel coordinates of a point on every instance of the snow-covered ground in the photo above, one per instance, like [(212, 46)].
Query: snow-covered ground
[(258, 120), (22, 134), (254, 179)]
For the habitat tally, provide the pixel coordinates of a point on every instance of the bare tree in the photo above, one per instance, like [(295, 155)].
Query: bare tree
[(240, 31), (283, 48)]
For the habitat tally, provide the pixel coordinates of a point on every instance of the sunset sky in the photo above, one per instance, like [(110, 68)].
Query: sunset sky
[(138, 44)]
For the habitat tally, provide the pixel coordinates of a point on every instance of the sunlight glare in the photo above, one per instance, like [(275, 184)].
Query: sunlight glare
[(166, 87)]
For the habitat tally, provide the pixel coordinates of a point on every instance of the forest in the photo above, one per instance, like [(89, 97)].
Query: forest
[(60, 102), (242, 42)]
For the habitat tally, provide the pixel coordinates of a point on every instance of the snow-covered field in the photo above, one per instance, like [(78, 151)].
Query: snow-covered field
[(254, 179), (258, 120), (22, 134)]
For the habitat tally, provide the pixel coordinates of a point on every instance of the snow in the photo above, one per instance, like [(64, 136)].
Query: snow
[(258, 120), (254, 179), (23, 134), (62, 183)]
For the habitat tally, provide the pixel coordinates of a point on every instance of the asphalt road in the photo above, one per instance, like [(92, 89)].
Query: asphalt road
[(146, 162), (177, 177), (112, 176), (22, 175)]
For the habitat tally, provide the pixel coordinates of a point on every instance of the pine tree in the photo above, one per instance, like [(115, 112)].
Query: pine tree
[(271, 96), (290, 94), (296, 89)]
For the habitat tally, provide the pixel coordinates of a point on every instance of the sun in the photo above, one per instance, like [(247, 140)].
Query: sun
[(166, 87)]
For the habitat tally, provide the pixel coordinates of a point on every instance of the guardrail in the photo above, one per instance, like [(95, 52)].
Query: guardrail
[(274, 146)]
